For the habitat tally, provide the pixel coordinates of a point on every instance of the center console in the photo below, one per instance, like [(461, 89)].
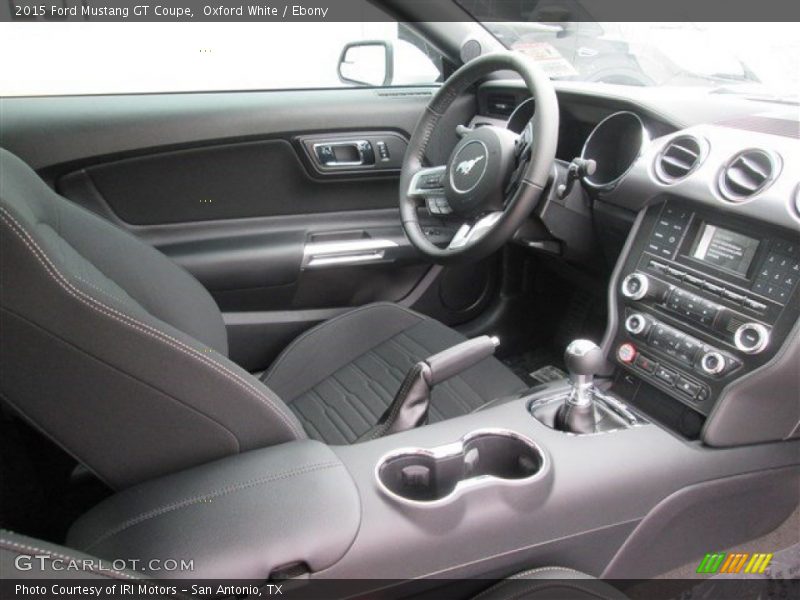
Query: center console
[(703, 300)]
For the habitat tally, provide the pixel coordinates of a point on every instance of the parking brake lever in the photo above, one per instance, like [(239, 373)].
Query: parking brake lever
[(409, 409)]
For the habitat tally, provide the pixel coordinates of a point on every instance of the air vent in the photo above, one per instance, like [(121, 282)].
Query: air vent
[(747, 174), (500, 105), (681, 156)]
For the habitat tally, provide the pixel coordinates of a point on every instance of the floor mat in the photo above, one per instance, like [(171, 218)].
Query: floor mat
[(534, 366)]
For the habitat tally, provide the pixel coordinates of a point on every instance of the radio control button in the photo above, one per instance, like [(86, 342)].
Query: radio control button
[(626, 353), (786, 247), (733, 296), (754, 305), (751, 338), (677, 273), (713, 288), (695, 281), (777, 293), (687, 349)]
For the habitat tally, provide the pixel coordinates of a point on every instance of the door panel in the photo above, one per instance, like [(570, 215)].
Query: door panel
[(244, 180), (229, 186)]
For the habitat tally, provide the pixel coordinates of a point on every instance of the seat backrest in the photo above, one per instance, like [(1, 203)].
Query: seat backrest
[(112, 350), (23, 557)]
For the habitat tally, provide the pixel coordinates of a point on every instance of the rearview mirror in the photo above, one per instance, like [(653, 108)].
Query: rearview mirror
[(367, 63)]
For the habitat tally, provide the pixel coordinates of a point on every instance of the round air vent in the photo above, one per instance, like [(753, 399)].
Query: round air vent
[(747, 174), (679, 158)]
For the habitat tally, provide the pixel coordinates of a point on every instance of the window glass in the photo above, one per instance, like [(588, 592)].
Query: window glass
[(118, 58)]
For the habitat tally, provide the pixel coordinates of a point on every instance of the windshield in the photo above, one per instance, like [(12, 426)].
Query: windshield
[(761, 60)]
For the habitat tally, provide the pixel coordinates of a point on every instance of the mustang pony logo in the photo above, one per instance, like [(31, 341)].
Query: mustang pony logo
[(466, 166)]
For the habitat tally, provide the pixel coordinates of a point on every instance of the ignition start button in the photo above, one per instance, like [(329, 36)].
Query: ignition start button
[(626, 353)]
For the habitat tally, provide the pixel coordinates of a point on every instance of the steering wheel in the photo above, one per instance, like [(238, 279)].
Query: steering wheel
[(493, 178)]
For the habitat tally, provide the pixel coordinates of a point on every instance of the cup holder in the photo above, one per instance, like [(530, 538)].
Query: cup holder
[(437, 475)]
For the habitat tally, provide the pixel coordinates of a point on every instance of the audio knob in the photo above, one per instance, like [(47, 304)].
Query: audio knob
[(713, 363), (751, 338), (636, 324), (635, 286)]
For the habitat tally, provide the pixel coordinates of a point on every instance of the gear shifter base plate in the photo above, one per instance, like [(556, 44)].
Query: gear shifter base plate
[(611, 414)]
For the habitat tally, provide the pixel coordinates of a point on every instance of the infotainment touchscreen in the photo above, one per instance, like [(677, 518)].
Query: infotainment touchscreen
[(724, 249)]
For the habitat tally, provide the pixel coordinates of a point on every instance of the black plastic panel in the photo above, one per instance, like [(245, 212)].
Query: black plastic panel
[(252, 179)]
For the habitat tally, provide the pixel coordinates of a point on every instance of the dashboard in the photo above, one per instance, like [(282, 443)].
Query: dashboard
[(704, 302)]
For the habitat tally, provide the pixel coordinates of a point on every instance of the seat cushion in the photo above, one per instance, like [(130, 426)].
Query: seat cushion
[(339, 377)]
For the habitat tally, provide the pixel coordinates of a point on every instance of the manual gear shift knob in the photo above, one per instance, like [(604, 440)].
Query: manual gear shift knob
[(583, 358)]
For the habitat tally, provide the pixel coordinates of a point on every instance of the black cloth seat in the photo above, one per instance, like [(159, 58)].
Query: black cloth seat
[(120, 356), (341, 376)]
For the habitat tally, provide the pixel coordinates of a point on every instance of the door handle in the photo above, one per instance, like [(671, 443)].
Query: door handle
[(318, 255), (348, 153)]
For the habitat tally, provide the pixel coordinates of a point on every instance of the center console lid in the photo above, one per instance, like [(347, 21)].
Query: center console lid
[(237, 518)]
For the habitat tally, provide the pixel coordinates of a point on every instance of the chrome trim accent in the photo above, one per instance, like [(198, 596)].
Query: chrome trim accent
[(483, 163), (357, 144), (414, 191), (331, 254), (763, 341), (721, 363), (645, 141), (467, 234), (644, 285), (610, 403), (454, 449), (631, 328)]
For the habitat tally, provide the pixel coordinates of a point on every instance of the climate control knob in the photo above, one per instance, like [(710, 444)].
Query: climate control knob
[(713, 363), (636, 324), (635, 286), (751, 338)]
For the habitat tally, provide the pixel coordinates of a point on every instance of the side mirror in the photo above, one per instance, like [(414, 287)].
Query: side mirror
[(367, 63)]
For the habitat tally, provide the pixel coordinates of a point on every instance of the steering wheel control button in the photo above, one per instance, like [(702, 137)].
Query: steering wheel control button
[(713, 363), (431, 182), (635, 286), (636, 324), (438, 206), (626, 353), (751, 338)]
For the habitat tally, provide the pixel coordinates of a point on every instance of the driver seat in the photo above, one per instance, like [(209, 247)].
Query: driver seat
[(120, 356)]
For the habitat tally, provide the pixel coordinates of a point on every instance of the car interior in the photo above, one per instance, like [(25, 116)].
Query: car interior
[(499, 326)]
